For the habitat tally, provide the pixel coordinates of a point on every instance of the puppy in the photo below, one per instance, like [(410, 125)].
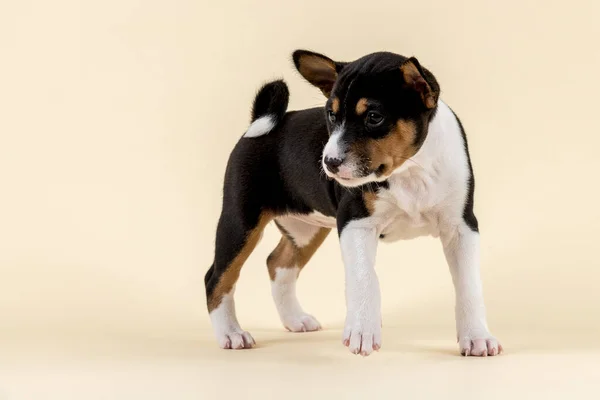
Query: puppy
[(385, 159)]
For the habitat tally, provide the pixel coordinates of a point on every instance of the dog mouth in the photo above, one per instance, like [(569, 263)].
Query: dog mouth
[(357, 181), (355, 171), (354, 180), (350, 178), (361, 176)]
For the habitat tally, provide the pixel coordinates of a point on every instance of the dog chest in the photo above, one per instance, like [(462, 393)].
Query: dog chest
[(408, 208)]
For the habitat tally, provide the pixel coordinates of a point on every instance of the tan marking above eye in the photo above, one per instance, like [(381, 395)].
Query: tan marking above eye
[(335, 105), (361, 106)]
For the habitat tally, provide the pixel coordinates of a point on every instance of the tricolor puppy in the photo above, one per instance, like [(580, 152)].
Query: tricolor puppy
[(385, 159)]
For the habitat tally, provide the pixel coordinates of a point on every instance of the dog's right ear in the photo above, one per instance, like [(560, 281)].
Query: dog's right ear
[(319, 70)]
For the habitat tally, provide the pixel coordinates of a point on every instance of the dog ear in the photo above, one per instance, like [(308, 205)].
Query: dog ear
[(319, 70), (420, 80)]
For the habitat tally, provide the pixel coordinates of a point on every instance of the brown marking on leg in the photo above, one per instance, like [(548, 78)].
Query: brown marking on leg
[(288, 255), (282, 257), (369, 198), (228, 278), (388, 153), (335, 105), (305, 253), (361, 106)]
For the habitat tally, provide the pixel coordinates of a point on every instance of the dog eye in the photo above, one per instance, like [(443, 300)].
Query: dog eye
[(374, 119), (331, 116)]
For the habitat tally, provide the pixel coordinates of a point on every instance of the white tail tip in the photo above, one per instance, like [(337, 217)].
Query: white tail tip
[(260, 127)]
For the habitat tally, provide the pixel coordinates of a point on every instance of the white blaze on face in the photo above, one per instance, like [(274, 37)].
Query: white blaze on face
[(334, 147)]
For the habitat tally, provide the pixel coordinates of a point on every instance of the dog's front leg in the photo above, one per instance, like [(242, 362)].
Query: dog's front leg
[(461, 247), (362, 332)]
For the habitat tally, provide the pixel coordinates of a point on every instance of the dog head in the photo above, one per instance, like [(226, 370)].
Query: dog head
[(378, 111)]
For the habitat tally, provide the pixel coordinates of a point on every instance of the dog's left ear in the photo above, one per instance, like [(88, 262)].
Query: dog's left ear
[(422, 81), (321, 71)]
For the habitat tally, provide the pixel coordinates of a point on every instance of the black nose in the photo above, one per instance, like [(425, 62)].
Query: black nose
[(333, 164)]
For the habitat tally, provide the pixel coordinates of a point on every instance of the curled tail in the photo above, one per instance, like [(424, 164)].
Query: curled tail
[(270, 105)]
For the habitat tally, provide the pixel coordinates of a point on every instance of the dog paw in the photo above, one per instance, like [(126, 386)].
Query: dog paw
[(363, 338), (479, 346), (236, 340), (301, 323)]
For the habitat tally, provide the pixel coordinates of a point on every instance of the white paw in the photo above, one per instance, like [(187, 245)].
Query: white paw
[(301, 323), (479, 345), (236, 340), (363, 337)]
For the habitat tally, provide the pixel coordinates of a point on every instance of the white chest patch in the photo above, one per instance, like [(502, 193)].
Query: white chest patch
[(408, 208)]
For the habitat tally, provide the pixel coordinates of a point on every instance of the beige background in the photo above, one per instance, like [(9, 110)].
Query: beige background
[(116, 121)]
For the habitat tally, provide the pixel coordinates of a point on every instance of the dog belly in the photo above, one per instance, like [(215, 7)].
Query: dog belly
[(404, 228), (316, 219)]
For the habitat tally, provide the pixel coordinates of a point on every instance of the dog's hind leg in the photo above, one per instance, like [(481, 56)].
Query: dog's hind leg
[(237, 236), (298, 244)]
